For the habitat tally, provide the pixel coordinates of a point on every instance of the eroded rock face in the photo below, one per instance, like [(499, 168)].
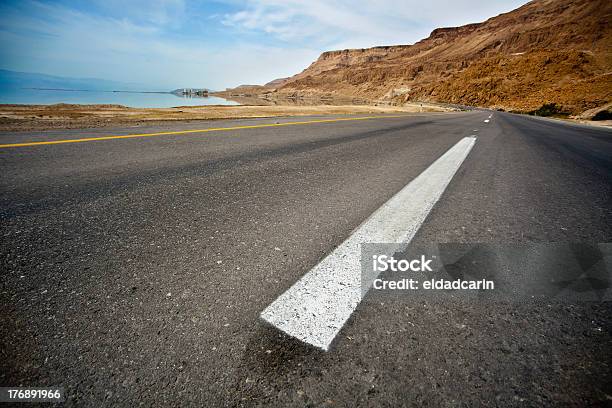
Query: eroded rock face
[(543, 52)]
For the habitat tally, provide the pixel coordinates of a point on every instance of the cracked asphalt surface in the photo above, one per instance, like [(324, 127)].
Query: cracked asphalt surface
[(134, 271)]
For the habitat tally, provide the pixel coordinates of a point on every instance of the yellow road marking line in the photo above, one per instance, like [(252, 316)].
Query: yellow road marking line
[(179, 132)]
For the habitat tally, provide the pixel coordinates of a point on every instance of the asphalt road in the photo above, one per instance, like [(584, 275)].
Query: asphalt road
[(134, 270)]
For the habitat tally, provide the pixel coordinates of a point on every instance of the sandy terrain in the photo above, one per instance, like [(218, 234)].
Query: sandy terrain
[(63, 116)]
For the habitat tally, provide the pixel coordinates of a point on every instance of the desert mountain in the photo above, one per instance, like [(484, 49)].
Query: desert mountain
[(547, 51)]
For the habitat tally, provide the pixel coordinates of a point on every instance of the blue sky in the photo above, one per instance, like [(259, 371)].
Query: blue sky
[(166, 44)]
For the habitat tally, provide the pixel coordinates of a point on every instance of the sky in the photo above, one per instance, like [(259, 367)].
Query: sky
[(167, 44)]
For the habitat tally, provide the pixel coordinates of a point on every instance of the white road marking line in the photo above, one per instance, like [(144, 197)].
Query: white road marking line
[(486, 121), (316, 307)]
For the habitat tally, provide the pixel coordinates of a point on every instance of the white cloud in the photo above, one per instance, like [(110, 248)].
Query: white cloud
[(66, 42), (360, 23)]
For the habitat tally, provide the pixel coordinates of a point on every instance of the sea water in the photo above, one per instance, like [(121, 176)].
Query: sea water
[(131, 99)]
